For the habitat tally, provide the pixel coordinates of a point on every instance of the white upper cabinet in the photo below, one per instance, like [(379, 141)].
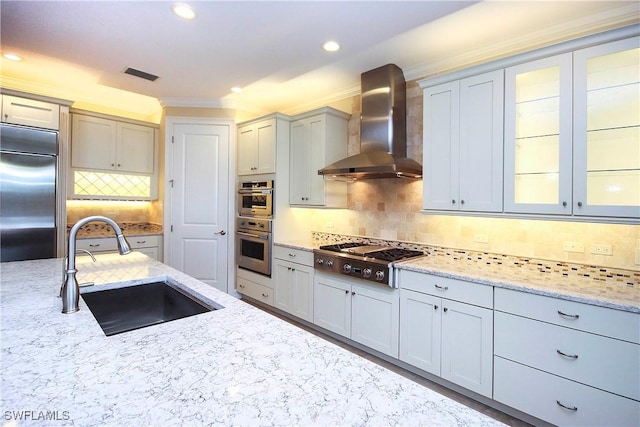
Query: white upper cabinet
[(257, 147), (108, 145), (572, 133), (537, 137), (463, 140), (606, 130), (29, 112), (318, 138)]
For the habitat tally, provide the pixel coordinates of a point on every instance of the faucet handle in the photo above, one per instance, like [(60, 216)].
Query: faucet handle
[(87, 252)]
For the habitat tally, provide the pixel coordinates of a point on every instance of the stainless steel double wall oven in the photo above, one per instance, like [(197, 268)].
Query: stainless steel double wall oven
[(254, 226)]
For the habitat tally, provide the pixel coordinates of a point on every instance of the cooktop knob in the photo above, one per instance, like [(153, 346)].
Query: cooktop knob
[(366, 273), (320, 261), (329, 263), (346, 268), (379, 275)]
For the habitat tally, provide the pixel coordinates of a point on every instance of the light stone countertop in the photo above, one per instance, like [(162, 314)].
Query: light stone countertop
[(235, 366), (605, 287)]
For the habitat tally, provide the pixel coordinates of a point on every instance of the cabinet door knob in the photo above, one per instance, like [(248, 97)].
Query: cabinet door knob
[(346, 292), (564, 204), (435, 307), (221, 232), (445, 309), (462, 202), (579, 204), (453, 201), (353, 293)]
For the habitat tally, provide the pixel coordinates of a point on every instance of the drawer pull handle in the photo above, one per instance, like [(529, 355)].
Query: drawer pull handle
[(568, 408), (442, 288), (569, 356), (141, 242), (97, 245), (292, 255), (570, 316), (265, 295)]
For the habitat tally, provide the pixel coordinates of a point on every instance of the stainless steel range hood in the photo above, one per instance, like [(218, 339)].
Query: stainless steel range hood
[(383, 135)]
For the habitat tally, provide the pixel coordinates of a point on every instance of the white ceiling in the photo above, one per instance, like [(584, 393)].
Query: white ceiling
[(79, 49)]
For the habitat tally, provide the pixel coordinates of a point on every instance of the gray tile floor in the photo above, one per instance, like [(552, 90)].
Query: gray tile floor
[(480, 407)]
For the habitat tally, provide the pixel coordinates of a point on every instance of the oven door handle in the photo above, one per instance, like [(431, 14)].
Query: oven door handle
[(248, 192), (257, 236)]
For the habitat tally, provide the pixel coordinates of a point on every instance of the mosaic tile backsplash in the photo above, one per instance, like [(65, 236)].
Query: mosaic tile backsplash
[(486, 260)]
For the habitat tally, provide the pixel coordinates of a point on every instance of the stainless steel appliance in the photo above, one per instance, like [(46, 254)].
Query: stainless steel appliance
[(383, 136), (28, 165), (255, 199), (253, 244), (368, 262)]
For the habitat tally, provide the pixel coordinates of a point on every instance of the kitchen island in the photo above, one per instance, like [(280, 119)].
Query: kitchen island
[(234, 366)]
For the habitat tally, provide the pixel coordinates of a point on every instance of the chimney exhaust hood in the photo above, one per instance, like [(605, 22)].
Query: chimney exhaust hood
[(383, 135)]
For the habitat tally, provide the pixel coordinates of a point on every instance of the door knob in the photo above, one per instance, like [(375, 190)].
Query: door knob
[(221, 232)]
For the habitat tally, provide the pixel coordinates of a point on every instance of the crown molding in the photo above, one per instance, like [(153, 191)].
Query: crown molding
[(612, 19)]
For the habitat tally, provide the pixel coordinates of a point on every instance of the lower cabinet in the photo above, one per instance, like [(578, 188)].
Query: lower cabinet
[(294, 282), (149, 245), (365, 313), (445, 337), (565, 362)]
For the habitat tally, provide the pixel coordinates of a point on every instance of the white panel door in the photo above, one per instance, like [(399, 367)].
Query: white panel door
[(199, 178), (467, 346)]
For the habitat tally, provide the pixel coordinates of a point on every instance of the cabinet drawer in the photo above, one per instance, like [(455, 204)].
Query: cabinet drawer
[(298, 256), (110, 243), (254, 290), (540, 394), (598, 361), (444, 287), (584, 317), (143, 241)]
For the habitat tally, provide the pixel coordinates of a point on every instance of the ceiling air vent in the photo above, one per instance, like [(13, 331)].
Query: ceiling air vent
[(141, 74)]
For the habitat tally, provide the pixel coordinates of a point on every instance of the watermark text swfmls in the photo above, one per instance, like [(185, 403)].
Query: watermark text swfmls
[(28, 415)]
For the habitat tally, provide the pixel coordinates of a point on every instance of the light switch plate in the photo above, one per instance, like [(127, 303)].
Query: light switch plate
[(601, 249)]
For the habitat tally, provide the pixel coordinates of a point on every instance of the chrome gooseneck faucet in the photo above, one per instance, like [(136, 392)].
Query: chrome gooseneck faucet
[(70, 289)]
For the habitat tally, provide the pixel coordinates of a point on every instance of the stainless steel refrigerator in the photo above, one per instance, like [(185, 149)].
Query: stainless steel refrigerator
[(28, 166)]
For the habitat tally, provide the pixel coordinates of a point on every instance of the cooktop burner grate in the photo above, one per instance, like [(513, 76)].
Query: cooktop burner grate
[(394, 254), (338, 247)]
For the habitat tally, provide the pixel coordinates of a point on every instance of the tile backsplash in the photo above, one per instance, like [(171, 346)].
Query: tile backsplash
[(119, 211)]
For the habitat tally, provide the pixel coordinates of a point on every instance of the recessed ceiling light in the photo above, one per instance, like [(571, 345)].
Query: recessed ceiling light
[(183, 11), (236, 89), (12, 56), (331, 46)]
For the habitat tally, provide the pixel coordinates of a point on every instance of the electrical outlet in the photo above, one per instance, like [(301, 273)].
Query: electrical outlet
[(481, 238), (601, 249), (573, 247)]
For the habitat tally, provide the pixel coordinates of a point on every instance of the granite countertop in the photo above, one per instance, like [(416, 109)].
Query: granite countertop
[(236, 365), (601, 286), (100, 229)]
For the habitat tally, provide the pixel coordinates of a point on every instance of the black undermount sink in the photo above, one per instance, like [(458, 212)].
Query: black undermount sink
[(138, 306)]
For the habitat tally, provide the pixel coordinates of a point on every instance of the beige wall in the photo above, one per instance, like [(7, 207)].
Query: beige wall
[(390, 209)]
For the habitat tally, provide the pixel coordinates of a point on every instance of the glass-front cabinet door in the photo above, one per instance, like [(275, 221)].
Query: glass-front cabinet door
[(538, 111), (606, 134)]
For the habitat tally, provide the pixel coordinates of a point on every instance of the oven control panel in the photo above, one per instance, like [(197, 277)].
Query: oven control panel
[(378, 273)]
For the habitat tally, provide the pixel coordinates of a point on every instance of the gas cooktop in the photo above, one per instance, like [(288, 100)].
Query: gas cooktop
[(364, 261)]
